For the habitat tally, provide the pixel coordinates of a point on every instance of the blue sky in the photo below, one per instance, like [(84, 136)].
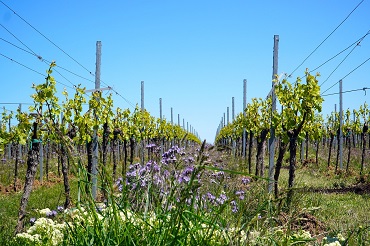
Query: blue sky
[(192, 54)]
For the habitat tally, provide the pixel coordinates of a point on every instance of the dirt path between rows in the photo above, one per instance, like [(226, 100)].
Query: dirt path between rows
[(361, 189)]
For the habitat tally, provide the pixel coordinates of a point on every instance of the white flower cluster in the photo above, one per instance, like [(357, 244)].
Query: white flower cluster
[(336, 241), (102, 215), (43, 231), (45, 211)]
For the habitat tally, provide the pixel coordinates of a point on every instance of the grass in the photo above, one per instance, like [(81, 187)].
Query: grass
[(45, 196), (180, 222)]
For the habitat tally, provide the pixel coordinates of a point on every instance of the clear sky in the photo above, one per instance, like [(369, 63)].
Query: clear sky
[(193, 54)]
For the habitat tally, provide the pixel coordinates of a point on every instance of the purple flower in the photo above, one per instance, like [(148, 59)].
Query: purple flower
[(240, 193), (32, 220), (157, 180), (151, 146), (246, 180), (144, 182), (189, 159), (142, 171), (221, 199), (51, 214), (166, 174), (156, 167), (234, 206), (210, 196), (119, 182), (186, 174), (99, 209), (60, 208)]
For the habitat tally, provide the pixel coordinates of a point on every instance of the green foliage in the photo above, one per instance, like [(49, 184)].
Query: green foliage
[(300, 101)]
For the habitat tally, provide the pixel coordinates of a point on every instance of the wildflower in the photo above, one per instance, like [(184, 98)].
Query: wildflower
[(151, 146), (155, 167), (234, 206), (32, 221), (246, 180), (51, 214), (340, 237), (240, 193), (189, 159), (28, 237), (60, 208), (211, 197), (336, 243), (119, 181), (221, 199), (44, 212)]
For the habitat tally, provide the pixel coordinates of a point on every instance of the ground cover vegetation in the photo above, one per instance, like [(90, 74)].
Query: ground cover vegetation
[(159, 185)]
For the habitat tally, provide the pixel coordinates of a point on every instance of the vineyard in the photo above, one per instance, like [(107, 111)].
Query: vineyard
[(102, 175)]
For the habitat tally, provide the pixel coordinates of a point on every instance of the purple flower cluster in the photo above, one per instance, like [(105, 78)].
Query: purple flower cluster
[(170, 155), (32, 221), (234, 206), (165, 178), (216, 200), (240, 193), (51, 214), (139, 175), (60, 209), (186, 174), (151, 146), (189, 159), (246, 180)]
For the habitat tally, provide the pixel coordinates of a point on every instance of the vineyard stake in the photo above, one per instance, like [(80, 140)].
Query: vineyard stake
[(340, 125), (272, 130), (142, 110), (244, 114)]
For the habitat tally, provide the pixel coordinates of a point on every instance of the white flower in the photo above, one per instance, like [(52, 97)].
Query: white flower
[(44, 211), (29, 237), (340, 237), (336, 243), (306, 235)]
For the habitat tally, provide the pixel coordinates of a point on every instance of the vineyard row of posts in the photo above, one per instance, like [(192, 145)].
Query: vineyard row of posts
[(123, 135), (298, 122)]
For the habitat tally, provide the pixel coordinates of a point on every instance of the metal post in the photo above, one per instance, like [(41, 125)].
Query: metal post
[(172, 140), (160, 117), (142, 110), (244, 114), (160, 109), (142, 95), (94, 171), (272, 130), (340, 125), (232, 120), (178, 119), (41, 152), (227, 112), (335, 120), (19, 145), (9, 144), (232, 109)]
